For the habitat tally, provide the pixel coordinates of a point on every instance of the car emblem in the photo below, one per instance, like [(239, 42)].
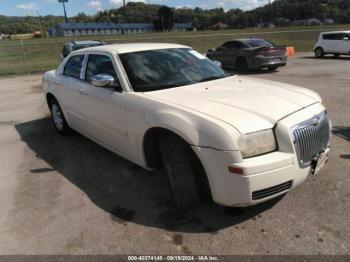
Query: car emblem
[(317, 121)]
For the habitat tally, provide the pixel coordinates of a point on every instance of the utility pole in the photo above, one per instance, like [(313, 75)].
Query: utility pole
[(65, 13), (124, 3), (64, 9), (269, 14)]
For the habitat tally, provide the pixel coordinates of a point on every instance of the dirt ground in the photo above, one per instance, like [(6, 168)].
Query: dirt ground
[(68, 195)]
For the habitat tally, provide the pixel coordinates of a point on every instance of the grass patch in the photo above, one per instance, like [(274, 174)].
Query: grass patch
[(43, 54)]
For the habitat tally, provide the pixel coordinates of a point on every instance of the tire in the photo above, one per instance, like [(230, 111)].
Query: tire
[(241, 65), (58, 118), (175, 155), (319, 53)]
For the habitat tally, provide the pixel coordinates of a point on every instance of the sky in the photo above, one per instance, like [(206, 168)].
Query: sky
[(45, 7)]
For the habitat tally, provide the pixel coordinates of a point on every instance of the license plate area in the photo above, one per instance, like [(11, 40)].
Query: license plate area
[(319, 161)]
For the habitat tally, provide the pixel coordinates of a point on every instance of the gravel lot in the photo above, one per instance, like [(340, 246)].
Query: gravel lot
[(68, 195)]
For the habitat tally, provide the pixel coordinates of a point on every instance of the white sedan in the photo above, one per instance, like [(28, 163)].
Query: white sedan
[(167, 107)]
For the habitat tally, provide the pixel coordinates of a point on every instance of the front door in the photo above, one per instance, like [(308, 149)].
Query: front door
[(343, 43), (104, 107)]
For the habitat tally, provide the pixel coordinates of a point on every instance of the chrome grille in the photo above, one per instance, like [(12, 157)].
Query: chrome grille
[(311, 137)]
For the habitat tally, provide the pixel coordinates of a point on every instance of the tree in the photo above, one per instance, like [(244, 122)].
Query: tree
[(82, 18), (165, 19)]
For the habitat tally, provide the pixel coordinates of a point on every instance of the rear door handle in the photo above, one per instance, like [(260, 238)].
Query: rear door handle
[(83, 91)]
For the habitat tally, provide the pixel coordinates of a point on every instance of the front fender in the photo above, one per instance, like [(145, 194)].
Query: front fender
[(197, 129)]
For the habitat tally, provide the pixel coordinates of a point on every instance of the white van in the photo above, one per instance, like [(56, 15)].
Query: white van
[(336, 43)]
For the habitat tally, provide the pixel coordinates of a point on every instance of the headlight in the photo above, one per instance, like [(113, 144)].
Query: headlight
[(257, 143)]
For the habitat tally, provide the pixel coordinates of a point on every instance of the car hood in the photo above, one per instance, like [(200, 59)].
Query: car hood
[(245, 103)]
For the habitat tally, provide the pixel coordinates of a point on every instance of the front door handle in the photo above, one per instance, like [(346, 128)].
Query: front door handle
[(83, 91)]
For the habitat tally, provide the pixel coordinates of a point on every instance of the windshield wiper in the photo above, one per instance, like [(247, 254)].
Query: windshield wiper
[(161, 87), (211, 78), (176, 85)]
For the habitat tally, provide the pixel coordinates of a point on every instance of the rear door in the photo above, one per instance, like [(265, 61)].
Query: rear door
[(70, 91)]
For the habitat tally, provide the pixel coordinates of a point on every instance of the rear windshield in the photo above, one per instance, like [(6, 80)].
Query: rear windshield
[(259, 43)]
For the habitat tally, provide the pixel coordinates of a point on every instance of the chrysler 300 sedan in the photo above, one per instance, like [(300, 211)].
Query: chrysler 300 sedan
[(167, 107)]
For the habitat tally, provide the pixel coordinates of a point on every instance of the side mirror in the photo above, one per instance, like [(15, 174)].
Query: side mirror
[(217, 63), (102, 80)]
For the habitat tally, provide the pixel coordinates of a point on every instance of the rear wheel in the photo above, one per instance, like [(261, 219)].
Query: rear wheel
[(241, 65), (58, 118), (176, 158), (319, 52)]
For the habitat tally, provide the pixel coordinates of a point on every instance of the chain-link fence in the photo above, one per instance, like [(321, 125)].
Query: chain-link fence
[(32, 56)]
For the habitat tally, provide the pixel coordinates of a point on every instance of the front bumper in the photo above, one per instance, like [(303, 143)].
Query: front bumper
[(259, 173), (264, 177)]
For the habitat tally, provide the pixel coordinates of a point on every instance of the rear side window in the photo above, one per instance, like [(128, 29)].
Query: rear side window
[(73, 66)]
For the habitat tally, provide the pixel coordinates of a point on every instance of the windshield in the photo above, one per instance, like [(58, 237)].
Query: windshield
[(259, 43), (168, 68)]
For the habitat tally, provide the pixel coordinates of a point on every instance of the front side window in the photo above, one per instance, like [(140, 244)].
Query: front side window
[(100, 64), (168, 68), (228, 44), (73, 66), (235, 45)]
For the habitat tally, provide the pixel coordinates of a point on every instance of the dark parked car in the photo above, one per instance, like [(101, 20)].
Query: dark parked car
[(71, 46), (250, 53)]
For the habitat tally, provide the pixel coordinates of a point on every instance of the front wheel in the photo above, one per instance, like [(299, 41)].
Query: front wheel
[(58, 118), (319, 52), (176, 159)]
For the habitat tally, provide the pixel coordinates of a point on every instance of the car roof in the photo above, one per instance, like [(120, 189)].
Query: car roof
[(335, 32), (131, 47), (246, 39), (252, 38), (86, 42)]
